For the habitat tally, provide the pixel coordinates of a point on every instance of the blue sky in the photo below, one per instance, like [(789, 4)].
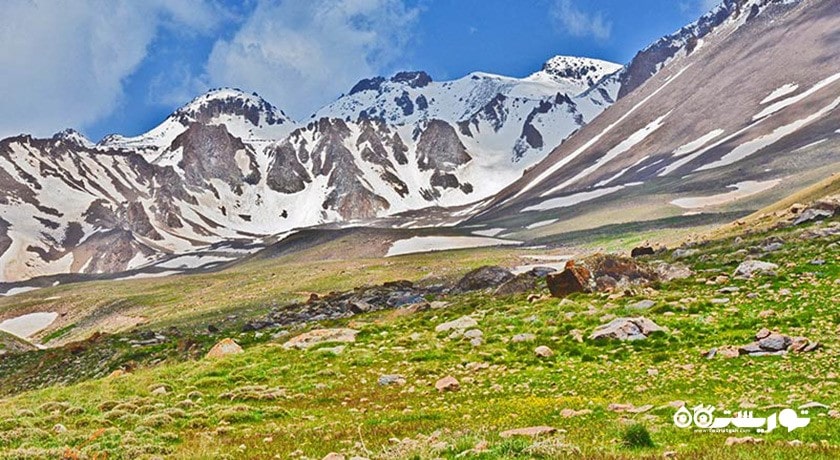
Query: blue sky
[(105, 66)]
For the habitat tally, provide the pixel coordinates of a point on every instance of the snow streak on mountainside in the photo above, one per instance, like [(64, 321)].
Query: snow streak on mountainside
[(747, 93), (230, 167)]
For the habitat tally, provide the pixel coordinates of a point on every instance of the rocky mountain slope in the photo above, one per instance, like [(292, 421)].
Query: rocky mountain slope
[(230, 167), (726, 115)]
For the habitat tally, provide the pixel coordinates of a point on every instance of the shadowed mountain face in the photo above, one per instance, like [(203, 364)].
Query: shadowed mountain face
[(230, 167), (743, 111)]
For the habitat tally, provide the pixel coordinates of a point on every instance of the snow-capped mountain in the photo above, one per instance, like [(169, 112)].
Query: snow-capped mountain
[(725, 115), (229, 166)]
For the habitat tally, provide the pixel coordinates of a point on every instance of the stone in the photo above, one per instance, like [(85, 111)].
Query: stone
[(576, 335), (813, 405), (766, 313), (334, 456), (573, 278), (116, 373), (532, 431), (524, 282), (618, 267), (606, 283), (488, 276), (626, 329), (762, 333), (59, 428), (473, 334), (812, 214), (641, 251), (569, 413), (224, 347), (519, 338), (391, 379), (447, 383), (462, 323), (733, 441), (750, 268), (159, 391), (670, 272), (775, 342), (543, 351), (318, 336), (683, 253), (642, 305)]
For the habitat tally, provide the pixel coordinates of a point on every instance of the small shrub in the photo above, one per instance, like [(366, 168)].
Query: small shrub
[(636, 436)]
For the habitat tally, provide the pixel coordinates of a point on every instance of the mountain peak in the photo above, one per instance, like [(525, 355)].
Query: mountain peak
[(579, 72), (74, 137), (231, 101)]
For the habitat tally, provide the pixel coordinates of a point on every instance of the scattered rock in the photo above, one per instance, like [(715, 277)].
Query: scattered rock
[(473, 334), (225, 347), (683, 253), (116, 373), (334, 456), (159, 391), (447, 383), (543, 351), (573, 278), (750, 268), (569, 413), (59, 428), (670, 272), (626, 329), (532, 431), (813, 405), (391, 379), (733, 441), (489, 276), (642, 305), (766, 343), (523, 282), (464, 322), (318, 336), (519, 338), (630, 408)]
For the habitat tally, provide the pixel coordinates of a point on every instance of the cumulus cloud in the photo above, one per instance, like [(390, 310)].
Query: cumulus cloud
[(579, 23), (302, 54), (63, 62)]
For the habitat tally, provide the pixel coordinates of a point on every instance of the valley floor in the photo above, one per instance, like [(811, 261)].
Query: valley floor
[(274, 402)]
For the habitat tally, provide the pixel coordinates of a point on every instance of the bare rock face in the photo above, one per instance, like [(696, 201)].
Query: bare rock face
[(626, 329), (211, 152), (286, 173), (574, 278)]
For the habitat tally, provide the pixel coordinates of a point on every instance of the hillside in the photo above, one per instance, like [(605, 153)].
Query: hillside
[(375, 396)]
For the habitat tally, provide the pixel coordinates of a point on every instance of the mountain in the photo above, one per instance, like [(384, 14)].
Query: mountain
[(229, 169), (721, 118)]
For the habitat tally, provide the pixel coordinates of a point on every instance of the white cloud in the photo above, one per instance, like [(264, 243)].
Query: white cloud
[(707, 5), (579, 23), (300, 55), (62, 63)]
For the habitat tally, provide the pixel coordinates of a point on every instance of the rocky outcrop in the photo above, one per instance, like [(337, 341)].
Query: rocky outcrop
[(766, 343), (574, 278), (318, 336)]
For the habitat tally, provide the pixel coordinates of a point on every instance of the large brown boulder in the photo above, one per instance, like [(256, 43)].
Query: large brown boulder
[(224, 348), (574, 278)]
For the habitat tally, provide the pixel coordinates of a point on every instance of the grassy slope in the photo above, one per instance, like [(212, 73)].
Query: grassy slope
[(228, 408), (250, 287)]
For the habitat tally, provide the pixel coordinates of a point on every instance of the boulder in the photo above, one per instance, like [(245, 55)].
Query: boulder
[(573, 279), (812, 214), (543, 351), (750, 268), (617, 267), (447, 383), (519, 338), (642, 305), (462, 323), (641, 251), (318, 336), (223, 348), (626, 329), (488, 276), (524, 282)]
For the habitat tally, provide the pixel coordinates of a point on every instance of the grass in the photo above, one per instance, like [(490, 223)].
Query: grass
[(270, 402)]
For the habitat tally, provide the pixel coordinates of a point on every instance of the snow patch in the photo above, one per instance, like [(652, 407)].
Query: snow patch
[(417, 244), (573, 199), (27, 325), (742, 190), (697, 143), (783, 90)]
